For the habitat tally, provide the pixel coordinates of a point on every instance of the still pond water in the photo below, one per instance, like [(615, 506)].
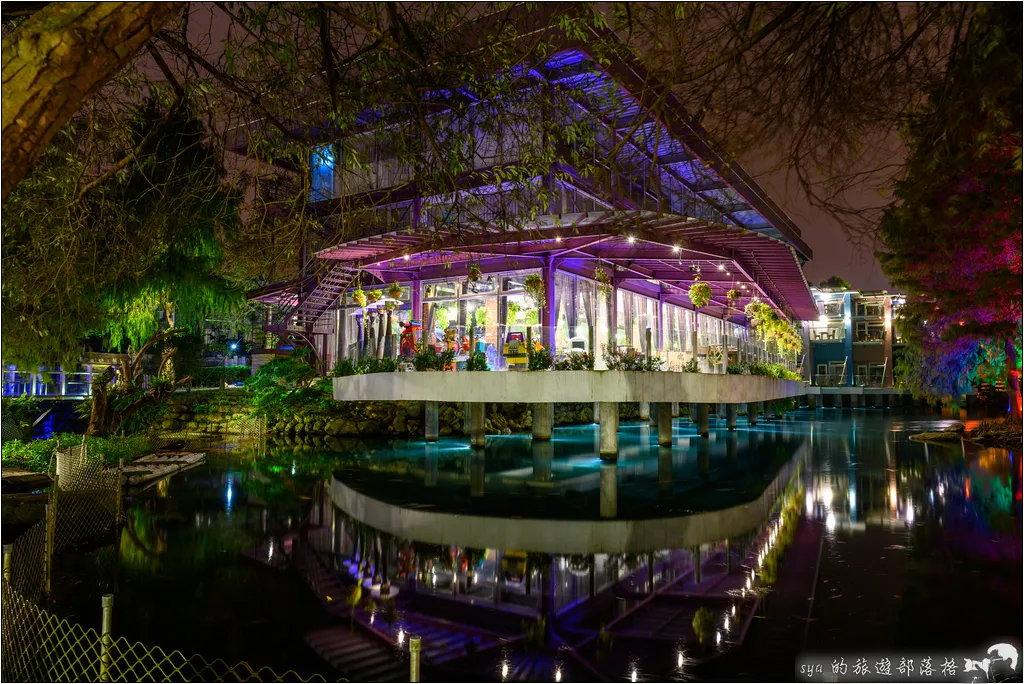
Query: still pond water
[(921, 543)]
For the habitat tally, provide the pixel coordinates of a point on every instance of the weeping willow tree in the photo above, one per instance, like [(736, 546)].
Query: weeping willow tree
[(119, 233)]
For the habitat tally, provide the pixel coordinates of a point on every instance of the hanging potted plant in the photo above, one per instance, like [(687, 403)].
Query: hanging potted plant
[(374, 296), (474, 272), (395, 291), (359, 297), (534, 285), (699, 293), (733, 296), (604, 281)]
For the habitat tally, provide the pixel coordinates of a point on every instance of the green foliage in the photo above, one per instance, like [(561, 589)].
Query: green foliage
[(146, 239), (576, 361), (35, 455), (699, 294), (734, 368), (482, 317), (771, 370), (284, 384), (704, 624), (605, 641), (834, 283), (534, 285), (213, 376), (477, 362), (691, 366), (539, 360), (22, 410), (427, 358), (346, 367), (631, 360), (770, 327)]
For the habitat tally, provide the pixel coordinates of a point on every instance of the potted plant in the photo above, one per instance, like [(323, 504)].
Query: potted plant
[(395, 291), (374, 296), (733, 296), (604, 281), (359, 297), (474, 272), (534, 285), (700, 294)]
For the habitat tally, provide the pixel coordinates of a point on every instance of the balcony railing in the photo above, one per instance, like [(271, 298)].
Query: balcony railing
[(828, 334), (869, 380), (832, 309), (870, 335), (828, 380)]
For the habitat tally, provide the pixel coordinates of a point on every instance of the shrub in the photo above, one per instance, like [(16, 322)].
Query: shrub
[(213, 376), (631, 360), (23, 411), (427, 358), (704, 624), (691, 366), (36, 454), (477, 362), (736, 369), (576, 361), (538, 360)]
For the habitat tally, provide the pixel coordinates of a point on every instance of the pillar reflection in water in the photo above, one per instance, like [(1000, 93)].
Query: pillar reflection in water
[(665, 470), (543, 455), (430, 466), (609, 490), (732, 450), (476, 474), (704, 458)]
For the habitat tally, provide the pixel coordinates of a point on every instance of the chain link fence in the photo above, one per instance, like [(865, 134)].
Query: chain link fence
[(38, 646)]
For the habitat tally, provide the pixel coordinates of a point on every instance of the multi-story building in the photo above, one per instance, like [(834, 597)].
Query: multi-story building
[(616, 250), (853, 342)]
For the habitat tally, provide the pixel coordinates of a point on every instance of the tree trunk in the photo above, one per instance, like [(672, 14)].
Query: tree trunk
[(56, 60), (100, 415)]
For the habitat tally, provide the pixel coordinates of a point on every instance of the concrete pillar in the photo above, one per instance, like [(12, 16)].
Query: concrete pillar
[(752, 413), (430, 466), (597, 412), (664, 424), (693, 413), (476, 473), (730, 416), (609, 490), (477, 416), (609, 429), (645, 410), (430, 421), (675, 409), (696, 565), (812, 401), (467, 418), (702, 419), (766, 407), (543, 420), (854, 401), (653, 422), (543, 455)]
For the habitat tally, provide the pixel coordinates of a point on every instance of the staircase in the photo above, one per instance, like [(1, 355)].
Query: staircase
[(358, 657), (310, 308)]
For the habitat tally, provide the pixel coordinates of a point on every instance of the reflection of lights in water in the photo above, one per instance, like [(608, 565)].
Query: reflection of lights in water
[(680, 660), (830, 522), (748, 583), (229, 494), (633, 677), (270, 553), (910, 512), (558, 674), (734, 611), (853, 499), (810, 503), (401, 636), (293, 467), (373, 615), (504, 669), (726, 623), (718, 638), (826, 497), (931, 497), (942, 489)]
